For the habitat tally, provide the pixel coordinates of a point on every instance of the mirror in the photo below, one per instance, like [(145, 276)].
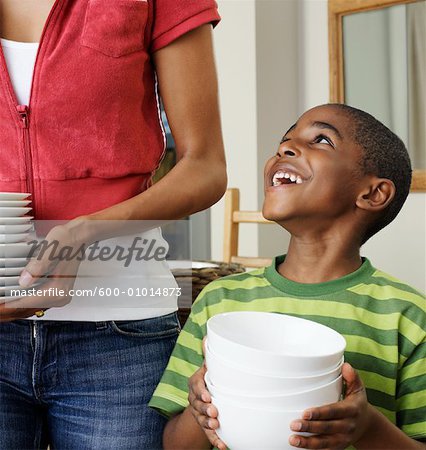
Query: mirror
[(378, 63)]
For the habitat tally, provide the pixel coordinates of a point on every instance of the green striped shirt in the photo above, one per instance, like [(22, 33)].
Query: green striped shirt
[(382, 319)]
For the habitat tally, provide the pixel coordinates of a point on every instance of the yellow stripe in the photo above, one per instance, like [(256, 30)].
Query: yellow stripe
[(188, 340), (378, 382), (169, 392), (181, 367), (415, 430), (414, 370), (412, 401), (367, 346), (355, 343), (231, 284), (410, 330), (388, 292), (335, 309)]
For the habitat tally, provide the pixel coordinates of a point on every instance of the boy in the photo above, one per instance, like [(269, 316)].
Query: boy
[(339, 176)]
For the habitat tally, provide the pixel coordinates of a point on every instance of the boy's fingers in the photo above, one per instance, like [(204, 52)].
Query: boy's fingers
[(352, 379), (323, 426), (207, 409), (340, 410), (326, 442)]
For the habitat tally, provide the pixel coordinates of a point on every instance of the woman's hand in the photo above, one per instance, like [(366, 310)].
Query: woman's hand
[(338, 425), (58, 261), (204, 412)]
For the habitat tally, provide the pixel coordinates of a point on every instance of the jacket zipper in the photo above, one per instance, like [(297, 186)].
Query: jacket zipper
[(23, 112)]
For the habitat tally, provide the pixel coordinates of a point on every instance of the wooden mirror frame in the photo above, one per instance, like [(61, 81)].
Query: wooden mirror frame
[(336, 10)]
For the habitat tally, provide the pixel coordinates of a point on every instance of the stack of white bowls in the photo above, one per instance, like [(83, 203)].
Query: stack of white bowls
[(264, 370), (15, 227)]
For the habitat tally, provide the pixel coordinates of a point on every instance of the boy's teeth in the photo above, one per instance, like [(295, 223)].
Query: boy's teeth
[(278, 176), (299, 180), (286, 175), (293, 178)]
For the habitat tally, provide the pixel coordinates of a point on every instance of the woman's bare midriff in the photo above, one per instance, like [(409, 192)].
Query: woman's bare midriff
[(23, 20)]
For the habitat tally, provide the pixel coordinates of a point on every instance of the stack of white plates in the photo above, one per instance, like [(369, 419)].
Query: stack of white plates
[(264, 370), (15, 227)]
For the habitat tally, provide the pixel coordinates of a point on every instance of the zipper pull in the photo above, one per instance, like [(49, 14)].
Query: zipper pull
[(23, 112)]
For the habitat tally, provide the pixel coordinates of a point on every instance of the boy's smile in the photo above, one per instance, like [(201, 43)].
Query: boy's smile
[(316, 170)]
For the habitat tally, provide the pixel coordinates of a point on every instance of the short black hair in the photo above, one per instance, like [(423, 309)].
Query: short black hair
[(384, 155)]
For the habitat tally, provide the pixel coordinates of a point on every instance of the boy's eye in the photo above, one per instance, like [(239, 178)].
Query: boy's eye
[(321, 139)]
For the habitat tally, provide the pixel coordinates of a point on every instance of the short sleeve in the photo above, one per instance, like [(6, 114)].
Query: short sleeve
[(173, 18), (171, 395), (411, 394)]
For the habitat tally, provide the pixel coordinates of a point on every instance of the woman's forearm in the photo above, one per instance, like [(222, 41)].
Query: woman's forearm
[(183, 433), (191, 186), (384, 435)]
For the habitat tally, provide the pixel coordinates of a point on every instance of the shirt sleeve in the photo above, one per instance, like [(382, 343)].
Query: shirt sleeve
[(411, 394), (173, 18), (171, 395)]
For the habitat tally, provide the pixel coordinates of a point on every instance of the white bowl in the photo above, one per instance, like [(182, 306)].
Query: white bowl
[(275, 344), (4, 196), (243, 428), (14, 203), (18, 250), (223, 373), (15, 229), (24, 220), (13, 238), (13, 262), (310, 398), (13, 212)]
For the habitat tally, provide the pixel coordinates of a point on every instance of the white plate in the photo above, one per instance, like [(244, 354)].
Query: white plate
[(15, 229), (13, 212), (13, 262), (13, 195), (14, 203), (185, 264), (9, 281), (11, 271), (13, 238), (19, 250), (15, 220)]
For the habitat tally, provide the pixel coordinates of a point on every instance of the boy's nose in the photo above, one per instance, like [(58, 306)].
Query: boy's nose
[(287, 151)]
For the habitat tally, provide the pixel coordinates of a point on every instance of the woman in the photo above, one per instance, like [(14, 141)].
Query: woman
[(84, 138)]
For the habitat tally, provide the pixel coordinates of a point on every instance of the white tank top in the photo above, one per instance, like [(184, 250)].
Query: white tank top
[(20, 59), (134, 290)]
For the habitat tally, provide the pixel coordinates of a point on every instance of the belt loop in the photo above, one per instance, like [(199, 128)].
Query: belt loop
[(101, 325)]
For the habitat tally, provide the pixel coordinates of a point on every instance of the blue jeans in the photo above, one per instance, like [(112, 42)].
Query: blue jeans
[(82, 385)]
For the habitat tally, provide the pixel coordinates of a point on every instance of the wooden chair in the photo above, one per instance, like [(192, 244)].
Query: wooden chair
[(233, 218)]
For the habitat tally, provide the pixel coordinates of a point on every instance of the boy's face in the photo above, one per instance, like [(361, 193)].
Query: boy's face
[(315, 176)]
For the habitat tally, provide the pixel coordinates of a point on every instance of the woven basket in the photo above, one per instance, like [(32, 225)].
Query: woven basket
[(192, 282)]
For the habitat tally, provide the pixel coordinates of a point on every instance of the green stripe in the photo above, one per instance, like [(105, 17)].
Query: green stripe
[(369, 363), (378, 382), (415, 430), (181, 366), (188, 340), (413, 370), (412, 400), (165, 406), (411, 416), (411, 385), (175, 379), (378, 398), (187, 355), (386, 279)]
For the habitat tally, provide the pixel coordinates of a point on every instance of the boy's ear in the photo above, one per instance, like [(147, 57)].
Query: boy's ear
[(377, 195)]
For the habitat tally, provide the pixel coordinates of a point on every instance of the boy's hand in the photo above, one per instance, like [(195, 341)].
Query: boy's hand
[(201, 407), (338, 425)]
